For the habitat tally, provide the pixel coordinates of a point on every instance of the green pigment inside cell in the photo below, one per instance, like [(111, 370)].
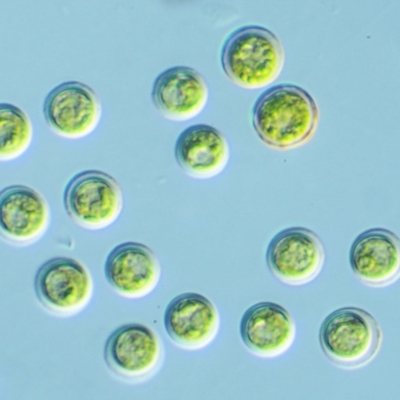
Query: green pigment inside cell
[(181, 92), (267, 328), (375, 257), (347, 335), (253, 59), (65, 285), (14, 131), (132, 271), (192, 319), (284, 118), (135, 349), (22, 214), (94, 200), (73, 110), (203, 150), (295, 255)]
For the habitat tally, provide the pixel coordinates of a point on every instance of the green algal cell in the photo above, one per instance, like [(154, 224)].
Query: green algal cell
[(23, 213), (375, 257), (180, 93), (135, 349), (15, 132), (65, 284), (192, 319), (347, 335)]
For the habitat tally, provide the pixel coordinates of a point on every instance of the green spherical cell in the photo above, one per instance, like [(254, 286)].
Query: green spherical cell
[(285, 117), (15, 132), (202, 151), (135, 349), (23, 213), (72, 109), (180, 93), (133, 269), (267, 329), (253, 57), (192, 320)]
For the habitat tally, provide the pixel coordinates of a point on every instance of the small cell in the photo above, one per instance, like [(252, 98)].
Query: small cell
[(133, 351), (15, 132), (72, 110), (252, 57), (133, 270), (375, 257), (192, 321), (93, 199), (285, 117), (267, 329), (295, 256), (180, 93), (24, 215), (202, 151), (64, 286), (350, 337)]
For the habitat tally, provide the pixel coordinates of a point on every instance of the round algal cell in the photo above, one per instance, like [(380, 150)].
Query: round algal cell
[(72, 110), (180, 93), (285, 116), (267, 329), (133, 270), (350, 337), (93, 199), (295, 256), (252, 57), (64, 286), (133, 351), (192, 321), (24, 214), (375, 257), (202, 151), (15, 132)]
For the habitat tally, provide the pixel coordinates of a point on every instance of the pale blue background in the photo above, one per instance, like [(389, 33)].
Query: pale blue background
[(210, 236)]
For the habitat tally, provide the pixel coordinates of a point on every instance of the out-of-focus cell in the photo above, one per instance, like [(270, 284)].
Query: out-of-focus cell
[(350, 337), (93, 199), (133, 351), (192, 321), (180, 93), (267, 329), (375, 257), (285, 116), (252, 57), (295, 256), (64, 286), (24, 215), (72, 110), (202, 151), (133, 270), (15, 132)]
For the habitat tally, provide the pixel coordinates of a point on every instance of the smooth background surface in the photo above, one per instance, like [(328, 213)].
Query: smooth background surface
[(210, 236)]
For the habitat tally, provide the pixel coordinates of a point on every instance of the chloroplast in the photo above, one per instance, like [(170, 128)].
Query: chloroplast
[(252, 57), (202, 151), (180, 93), (192, 321), (132, 269), (64, 285), (15, 132), (267, 329), (24, 214), (93, 199), (350, 337), (72, 109), (295, 256), (285, 116), (375, 257)]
